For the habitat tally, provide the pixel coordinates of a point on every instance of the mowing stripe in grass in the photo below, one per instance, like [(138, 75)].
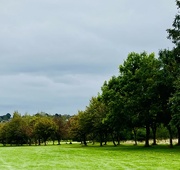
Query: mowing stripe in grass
[(89, 158)]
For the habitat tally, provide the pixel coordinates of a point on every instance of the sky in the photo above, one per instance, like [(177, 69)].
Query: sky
[(56, 54)]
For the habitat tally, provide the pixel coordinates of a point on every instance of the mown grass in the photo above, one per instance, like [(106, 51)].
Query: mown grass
[(75, 156)]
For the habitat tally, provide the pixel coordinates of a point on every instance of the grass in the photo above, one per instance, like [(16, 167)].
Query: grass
[(75, 156)]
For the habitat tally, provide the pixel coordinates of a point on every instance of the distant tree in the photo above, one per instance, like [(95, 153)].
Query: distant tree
[(44, 127), (16, 130), (75, 130), (5, 117), (3, 131), (29, 127), (95, 113), (60, 128)]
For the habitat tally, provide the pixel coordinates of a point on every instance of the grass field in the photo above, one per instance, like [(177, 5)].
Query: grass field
[(75, 156)]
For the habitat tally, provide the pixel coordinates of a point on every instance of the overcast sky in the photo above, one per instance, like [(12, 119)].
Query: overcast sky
[(56, 54)]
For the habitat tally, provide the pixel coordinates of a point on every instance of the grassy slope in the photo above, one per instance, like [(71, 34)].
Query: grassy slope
[(91, 157)]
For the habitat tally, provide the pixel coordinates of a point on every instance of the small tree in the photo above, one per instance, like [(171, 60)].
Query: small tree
[(44, 127), (60, 127)]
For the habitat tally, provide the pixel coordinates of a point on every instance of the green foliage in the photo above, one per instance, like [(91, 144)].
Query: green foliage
[(44, 127), (16, 130), (61, 130), (174, 33), (162, 133), (141, 135), (175, 104), (29, 129), (139, 75)]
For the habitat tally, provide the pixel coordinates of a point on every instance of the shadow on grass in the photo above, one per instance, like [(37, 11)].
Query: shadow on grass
[(109, 147), (139, 148)]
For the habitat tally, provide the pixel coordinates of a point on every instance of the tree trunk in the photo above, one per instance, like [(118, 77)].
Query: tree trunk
[(113, 139), (58, 141), (178, 130), (154, 134), (30, 142), (135, 136), (118, 140), (84, 140), (101, 139), (105, 138), (170, 136), (93, 142), (147, 135)]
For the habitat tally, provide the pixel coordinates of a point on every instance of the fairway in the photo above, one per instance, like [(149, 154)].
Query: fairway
[(91, 157)]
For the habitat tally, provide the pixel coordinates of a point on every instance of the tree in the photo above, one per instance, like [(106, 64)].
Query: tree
[(60, 130), (29, 127), (175, 107), (16, 130), (139, 75), (89, 122), (5, 117), (3, 130), (174, 33), (95, 113), (169, 74), (76, 130), (113, 97), (44, 127)]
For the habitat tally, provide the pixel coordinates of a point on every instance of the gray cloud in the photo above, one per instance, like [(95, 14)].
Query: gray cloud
[(56, 54)]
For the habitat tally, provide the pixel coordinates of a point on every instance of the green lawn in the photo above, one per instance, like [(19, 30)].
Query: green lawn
[(91, 157)]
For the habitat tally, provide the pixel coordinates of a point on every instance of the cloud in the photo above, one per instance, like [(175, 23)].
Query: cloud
[(40, 93), (56, 54)]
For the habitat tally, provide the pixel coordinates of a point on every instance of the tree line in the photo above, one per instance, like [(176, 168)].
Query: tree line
[(145, 95), (34, 129), (141, 103)]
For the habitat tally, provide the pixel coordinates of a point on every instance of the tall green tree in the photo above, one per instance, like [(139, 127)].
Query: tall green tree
[(113, 97), (169, 76), (139, 74), (174, 32), (175, 108)]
